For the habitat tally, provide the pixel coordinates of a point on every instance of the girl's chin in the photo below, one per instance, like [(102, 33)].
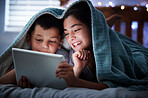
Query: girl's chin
[(78, 48)]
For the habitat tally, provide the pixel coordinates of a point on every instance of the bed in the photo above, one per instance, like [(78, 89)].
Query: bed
[(12, 91)]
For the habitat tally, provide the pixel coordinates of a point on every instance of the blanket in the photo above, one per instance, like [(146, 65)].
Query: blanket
[(21, 39), (120, 61)]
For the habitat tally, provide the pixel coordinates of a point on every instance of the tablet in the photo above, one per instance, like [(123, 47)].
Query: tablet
[(38, 67)]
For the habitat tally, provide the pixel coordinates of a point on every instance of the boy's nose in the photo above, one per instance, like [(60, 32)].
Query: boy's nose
[(45, 45)]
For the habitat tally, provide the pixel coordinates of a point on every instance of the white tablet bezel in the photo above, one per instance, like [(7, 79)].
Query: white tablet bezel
[(30, 64)]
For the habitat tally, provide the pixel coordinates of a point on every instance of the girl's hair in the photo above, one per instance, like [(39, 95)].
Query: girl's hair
[(80, 11), (48, 21)]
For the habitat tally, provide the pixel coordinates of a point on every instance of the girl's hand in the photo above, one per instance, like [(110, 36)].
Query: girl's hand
[(24, 83), (65, 71), (81, 59)]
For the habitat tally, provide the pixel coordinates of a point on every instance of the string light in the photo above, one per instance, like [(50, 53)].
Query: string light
[(110, 3), (135, 8), (122, 7), (134, 25), (147, 9), (99, 3), (146, 5)]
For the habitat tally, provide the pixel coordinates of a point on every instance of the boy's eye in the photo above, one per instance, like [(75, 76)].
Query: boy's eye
[(38, 40), (52, 41)]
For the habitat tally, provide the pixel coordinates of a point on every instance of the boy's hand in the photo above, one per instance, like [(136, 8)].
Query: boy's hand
[(66, 72), (81, 59), (24, 83)]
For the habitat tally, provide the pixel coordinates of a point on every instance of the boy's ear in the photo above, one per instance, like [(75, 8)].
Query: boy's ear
[(28, 39), (60, 44)]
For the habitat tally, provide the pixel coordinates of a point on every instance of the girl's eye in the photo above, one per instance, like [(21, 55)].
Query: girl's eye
[(38, 40), (77, 30)]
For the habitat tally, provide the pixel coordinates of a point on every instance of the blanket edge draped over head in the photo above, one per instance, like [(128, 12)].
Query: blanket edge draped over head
[(20, 41)]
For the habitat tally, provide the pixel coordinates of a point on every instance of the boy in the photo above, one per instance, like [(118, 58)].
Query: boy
[(45, 35)]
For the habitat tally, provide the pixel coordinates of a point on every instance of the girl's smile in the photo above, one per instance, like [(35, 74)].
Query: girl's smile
[(75, 44)]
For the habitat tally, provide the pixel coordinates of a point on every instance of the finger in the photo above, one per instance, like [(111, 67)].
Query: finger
[(64, 65), (88, 54), (24, 82), (63, 77), (66, 70), (85, 54), (20, 82), (60, 74), (62, 70), (79, 54), (75, 54), (29, 84)]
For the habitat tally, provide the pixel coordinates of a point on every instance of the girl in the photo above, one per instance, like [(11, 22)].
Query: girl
[(77, 30), (103, 58)]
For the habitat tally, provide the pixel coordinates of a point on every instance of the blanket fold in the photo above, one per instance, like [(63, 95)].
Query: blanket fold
[(120, 61)]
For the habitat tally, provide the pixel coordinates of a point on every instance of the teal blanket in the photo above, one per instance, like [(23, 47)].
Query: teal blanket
[(120, 61)]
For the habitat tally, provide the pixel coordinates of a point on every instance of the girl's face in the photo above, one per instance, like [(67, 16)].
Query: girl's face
[(77, 34), (45, 40)]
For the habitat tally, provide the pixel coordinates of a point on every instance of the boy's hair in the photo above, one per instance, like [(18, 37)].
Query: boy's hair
[(80, 11), (48, 21)]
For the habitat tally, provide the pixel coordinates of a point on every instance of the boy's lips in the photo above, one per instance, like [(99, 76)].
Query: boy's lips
[(45, 51), (75, 44)]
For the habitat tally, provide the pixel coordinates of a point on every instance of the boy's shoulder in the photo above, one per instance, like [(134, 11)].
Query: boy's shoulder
[(63, 52)]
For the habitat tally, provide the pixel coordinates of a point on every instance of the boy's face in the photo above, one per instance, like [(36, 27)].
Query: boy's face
[(77, 34), (45, 40)]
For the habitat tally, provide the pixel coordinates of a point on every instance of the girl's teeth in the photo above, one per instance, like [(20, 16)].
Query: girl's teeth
[(75, 44)]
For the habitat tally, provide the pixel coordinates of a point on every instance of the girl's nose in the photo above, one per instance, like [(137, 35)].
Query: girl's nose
[(72, 36)]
